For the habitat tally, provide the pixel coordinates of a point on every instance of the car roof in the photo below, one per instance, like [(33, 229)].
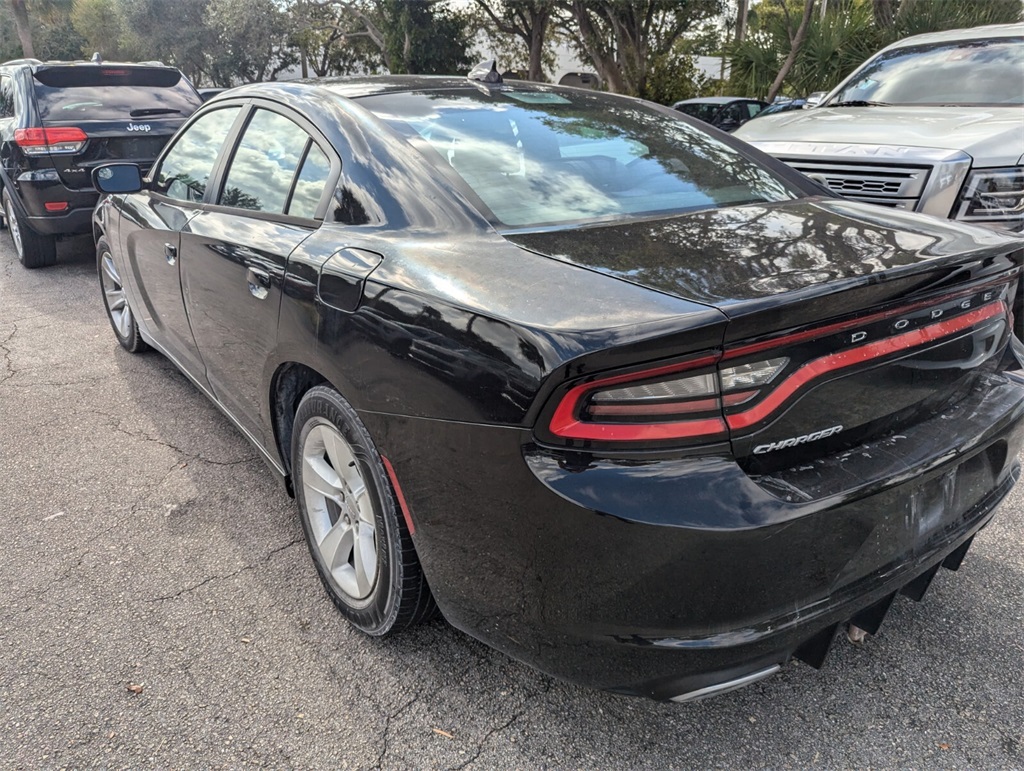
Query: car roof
[(968, 33), (378, 85)]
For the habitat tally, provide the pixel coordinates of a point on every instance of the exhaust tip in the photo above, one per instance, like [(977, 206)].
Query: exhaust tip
[(728, 685)]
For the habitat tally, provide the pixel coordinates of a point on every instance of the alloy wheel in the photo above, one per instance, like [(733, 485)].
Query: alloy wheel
[(113, 290), (340, 511), (12, 225)]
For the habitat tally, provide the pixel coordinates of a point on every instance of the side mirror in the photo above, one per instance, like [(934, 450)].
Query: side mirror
[(729, 125), (117, 178)]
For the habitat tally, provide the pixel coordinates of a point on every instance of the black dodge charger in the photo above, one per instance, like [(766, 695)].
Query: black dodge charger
[(614, 392)]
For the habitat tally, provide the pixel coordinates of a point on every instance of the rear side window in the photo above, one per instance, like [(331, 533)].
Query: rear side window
[(186, 169), (263, 169), (89, 92), (309, 187), (6, 97)]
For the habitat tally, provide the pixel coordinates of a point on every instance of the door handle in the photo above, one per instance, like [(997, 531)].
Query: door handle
[(259, 282), (171, 253)]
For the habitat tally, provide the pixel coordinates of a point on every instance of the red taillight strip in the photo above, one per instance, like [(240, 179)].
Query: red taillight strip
[(836, 361), (564, 422), (831, 329), (40, 137), (399, 495)]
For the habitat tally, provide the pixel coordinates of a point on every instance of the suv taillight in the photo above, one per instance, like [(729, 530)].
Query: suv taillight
[(40, 141)]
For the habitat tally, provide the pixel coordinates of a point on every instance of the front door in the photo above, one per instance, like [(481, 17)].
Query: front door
[(150, 234)]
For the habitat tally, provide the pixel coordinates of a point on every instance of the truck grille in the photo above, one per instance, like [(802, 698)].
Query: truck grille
[(899, 187)]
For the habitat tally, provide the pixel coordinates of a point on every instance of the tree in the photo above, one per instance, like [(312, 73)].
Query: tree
[(796, 40), (99, 23), (425, 37), (527, 20), (23, 27), (251, 41), (624, 38), (183, 41)]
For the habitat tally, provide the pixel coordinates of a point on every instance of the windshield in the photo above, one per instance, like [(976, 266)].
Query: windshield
[(973, 72), (543, 157)]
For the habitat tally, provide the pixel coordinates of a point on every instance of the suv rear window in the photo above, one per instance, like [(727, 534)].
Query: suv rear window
[(112, 93)]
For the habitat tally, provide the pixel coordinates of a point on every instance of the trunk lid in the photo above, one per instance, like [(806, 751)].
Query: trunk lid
[(871, 319)]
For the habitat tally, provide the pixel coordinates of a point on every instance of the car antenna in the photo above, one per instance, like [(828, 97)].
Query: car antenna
[(486, 72), (96, 58)]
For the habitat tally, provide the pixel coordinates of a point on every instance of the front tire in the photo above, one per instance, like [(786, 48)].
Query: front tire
[(361, 548), (115, 300), (34, 250)]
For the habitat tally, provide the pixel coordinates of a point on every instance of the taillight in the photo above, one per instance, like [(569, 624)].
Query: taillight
[(40, 141), (677, 401), (680, 401)]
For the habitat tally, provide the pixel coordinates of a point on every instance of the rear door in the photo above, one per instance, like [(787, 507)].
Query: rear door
[(234, 254)]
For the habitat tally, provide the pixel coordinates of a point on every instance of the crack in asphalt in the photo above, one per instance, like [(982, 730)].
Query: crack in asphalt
[(8, 365), (388, 717), (523, 709), (218, 577), (116, 425)]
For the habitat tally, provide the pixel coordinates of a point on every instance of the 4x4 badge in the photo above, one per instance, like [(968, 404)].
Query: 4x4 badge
[(139, 127)]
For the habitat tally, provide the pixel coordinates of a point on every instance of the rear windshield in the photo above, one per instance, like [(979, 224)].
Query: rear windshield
[(974, 72), (88, 92), (538, 158)]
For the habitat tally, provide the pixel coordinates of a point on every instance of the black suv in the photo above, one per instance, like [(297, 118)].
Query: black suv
[(60, 119)]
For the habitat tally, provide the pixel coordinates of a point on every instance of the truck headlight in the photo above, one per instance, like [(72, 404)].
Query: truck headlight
[(993, 195)]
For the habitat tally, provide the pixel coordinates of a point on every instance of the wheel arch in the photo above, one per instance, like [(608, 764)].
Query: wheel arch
[(289, 383)]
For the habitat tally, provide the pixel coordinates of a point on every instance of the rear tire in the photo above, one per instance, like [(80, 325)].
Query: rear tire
[(115, 300), (34, 250), (361, 547)]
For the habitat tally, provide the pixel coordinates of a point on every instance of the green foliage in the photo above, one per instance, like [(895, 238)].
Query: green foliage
[(100, 25), (847, 35), (10, 46), (251, 41), (915, 17), (424, 37), (675, 77), (834, 47)]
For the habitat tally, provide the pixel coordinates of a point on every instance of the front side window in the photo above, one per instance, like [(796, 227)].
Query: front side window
[(263, 168), (972, 72), (186, 169), (541, 157)]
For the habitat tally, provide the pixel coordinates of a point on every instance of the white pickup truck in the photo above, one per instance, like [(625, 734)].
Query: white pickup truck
[(933, 123)]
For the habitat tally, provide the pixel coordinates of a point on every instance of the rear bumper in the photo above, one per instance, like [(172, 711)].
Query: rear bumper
[(74, 220), (668, 576)]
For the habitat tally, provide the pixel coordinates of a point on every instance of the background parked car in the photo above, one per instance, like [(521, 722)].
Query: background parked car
[(58, 120), (933, 123), (725, 112), (787, 106)]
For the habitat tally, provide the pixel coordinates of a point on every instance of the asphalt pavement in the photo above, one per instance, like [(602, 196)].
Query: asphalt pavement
[(158, 609)]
